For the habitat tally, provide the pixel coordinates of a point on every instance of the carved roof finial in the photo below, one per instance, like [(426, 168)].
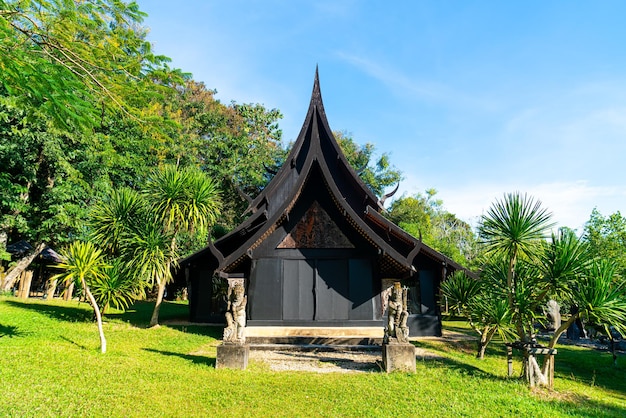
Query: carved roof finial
[(316, 96)]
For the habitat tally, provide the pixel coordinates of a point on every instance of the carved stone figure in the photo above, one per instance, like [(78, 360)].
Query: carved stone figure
[(397, 315), (236, 315)]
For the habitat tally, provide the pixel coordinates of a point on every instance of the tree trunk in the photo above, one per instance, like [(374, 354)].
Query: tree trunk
[(96, 310), (15, 271), (485, 338), (52, 288), (481, 350), (154, 321), (536, 376), (69, 291), (564, 326), (26, 280)]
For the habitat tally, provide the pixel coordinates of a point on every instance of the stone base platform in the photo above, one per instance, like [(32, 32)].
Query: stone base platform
[(232, 356), (399, 357)]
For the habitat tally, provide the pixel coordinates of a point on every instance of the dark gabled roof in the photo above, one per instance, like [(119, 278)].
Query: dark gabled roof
[(21, 248), (316, 150)]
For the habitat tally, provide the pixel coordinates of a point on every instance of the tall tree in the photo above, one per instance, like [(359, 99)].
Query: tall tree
[(65, 68), (235, 144)]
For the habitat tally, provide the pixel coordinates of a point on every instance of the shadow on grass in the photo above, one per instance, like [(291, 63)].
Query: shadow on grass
[(215, 332), (582, 365), (586, 407), (139, 313), (464, 369), (461, 330), (66, 313), (591, 367), (73, 343), (201, 360), (10, 331)]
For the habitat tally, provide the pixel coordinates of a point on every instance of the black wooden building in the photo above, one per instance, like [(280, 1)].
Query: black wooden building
[(315, 250)]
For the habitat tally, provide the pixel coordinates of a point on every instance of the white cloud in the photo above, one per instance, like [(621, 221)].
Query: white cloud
[(571, 203)]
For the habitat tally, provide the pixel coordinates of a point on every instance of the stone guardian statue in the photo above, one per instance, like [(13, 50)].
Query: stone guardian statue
[(397, 315), (236, 315)]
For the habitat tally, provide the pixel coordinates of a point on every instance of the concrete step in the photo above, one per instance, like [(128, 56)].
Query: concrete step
[(315, 348), (314, 341), (314, 332)]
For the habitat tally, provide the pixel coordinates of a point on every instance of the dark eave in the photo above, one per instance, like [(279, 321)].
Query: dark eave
[(418, 246)]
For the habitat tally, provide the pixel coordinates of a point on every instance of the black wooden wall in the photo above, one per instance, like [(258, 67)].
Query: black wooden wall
[(313, 291)]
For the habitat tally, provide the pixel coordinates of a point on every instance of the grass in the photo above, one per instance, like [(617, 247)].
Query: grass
[(50, 365)]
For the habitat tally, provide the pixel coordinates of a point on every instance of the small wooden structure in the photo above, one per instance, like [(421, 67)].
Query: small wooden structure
[(315, 251), (533, 373), (35, 280)]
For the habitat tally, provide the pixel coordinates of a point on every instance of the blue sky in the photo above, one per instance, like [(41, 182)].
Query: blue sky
[(472, 98)]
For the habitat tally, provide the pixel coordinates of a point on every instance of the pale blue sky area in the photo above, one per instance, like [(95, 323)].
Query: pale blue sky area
[(472, 98)]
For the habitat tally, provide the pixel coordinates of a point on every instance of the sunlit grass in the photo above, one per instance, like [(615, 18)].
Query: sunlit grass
[(50, 365)]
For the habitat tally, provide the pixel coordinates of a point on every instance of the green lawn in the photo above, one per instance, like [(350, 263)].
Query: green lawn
[(50, 365)]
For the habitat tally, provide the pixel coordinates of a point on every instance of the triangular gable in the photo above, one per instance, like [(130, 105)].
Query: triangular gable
[(315, 229), (316, 152)]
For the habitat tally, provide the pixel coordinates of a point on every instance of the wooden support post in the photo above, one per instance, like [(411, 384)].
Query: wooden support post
[(25, 281), (20, 285), (509, 359), (551, 371), (534, 374), (530, 370)]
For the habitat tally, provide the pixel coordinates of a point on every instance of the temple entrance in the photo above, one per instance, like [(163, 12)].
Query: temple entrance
[(315, 290)]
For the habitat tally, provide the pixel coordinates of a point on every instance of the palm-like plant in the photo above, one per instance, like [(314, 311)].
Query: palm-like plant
[(486, 313), (514, 227), (460, 291), (142, 228), (112, 219), (182, 200), (117, 287), (600, 297), (562, 262), (151, 255), (85, 263), (489, 316)]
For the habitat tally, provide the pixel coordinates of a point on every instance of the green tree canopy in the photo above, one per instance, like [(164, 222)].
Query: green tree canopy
[(378, 174), (72, 59), (607, 238), (423, 216)]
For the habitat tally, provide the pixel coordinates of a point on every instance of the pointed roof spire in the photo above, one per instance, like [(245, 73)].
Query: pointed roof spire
[(316, 96)]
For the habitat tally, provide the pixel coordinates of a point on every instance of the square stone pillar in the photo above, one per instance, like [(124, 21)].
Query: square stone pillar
[(232, 356), (399, 357)]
